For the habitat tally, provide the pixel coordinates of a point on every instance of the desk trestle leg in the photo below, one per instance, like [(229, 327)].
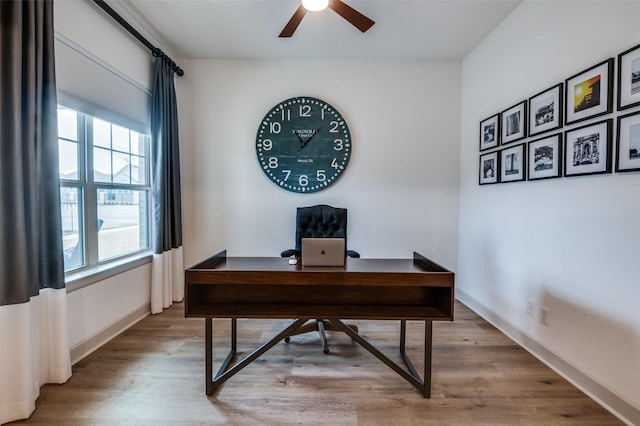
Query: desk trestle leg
[(225, 373), (423, 385)]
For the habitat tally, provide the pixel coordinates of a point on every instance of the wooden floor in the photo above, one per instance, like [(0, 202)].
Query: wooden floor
[(153, 374)]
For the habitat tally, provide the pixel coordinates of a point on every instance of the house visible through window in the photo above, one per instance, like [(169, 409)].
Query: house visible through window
[(104, 189)]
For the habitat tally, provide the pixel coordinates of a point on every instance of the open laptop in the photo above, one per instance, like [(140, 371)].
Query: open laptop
[(323, 252)]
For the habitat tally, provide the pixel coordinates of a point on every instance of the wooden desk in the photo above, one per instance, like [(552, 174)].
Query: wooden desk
[(368, 289)]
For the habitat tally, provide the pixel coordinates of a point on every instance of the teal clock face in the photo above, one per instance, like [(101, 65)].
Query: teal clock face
[(303, 145)]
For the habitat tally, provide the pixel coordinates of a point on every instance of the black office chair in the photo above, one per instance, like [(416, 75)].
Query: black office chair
[(319, 221)]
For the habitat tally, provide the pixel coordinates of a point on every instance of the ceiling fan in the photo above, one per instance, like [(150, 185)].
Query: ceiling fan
[(356, 18)]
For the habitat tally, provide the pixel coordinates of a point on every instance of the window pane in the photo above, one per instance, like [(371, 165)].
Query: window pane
[(138, 170), (68, 157), (121, 172), (101, 133), (123, 215), (137, 143), (70, 203), (101, 165), (67, 124), (120, 138)]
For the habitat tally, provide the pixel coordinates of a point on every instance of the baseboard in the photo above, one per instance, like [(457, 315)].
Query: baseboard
[(596, 391), (84, 348)]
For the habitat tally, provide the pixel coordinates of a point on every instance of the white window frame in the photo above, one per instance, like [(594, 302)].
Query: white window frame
[(88, 207)]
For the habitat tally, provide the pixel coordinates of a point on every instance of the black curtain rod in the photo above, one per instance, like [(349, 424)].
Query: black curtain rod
[(154, 50)]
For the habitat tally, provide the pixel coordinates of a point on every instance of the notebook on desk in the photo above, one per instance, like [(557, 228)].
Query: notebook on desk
[(323, 252)]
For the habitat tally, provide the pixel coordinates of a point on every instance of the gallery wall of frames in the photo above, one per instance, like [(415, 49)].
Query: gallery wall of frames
[(567, 129)]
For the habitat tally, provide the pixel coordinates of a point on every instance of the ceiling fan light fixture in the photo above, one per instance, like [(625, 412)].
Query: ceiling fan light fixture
[(315, 5)]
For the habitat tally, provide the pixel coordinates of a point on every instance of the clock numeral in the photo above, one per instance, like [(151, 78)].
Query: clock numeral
[(303, 180), (322, 113), (275, 127), (287, 173), (273, 162), (321, 176), (334, 127), (285, 114), (267, 144), (338, 145), (305, 110), (335, 164)]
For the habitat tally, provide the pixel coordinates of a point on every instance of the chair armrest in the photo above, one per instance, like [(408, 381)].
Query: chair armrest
[(288, 253), (353, 253)]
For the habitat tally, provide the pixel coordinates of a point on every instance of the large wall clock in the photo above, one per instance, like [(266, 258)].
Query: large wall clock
[(303, 144)]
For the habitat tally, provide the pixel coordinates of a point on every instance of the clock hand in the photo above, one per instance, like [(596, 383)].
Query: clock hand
[(300, 139), (308, 140)]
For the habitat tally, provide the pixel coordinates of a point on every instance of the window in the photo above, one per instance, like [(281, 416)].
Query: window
[(104, 189)]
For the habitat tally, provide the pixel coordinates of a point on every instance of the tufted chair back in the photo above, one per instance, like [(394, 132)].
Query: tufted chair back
[(320, 221)]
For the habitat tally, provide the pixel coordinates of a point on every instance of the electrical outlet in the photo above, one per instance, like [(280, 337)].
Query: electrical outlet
[(531, 308), (544, 315)]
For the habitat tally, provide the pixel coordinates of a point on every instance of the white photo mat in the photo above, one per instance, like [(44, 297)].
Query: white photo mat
[(490, 132), (512, 164), (587, 149), (514, 123), (589, 94), (489, 168), (545, 157), (628, 143), (629, 78), (546, 110)]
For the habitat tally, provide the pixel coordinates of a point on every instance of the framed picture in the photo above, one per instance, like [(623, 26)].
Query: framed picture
[(628, 143), (587, 149), (629, 78), (512, 164), (489, 168), (589, 93), (545, 110), (514, 123), (490, 132), (545, 158)]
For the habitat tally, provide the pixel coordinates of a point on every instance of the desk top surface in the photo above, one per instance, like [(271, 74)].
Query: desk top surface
[(220, 262)]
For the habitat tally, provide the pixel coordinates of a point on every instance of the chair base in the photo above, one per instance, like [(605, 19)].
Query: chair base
[(320, 326)]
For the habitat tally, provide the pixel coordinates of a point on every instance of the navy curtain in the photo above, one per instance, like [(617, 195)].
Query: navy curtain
[(30, 225), (165, 160)]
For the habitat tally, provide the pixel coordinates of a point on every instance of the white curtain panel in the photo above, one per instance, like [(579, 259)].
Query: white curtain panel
[(34, 350), (167, 279)]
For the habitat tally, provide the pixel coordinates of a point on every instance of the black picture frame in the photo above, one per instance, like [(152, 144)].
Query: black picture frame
[(489, 169), (546, 110), (545, 158), (490, 132), (587, 149), (589, 93), (513, 164), (513, 125), (629, 78), (628, 143)]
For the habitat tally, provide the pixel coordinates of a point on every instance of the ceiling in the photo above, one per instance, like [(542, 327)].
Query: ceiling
[(404, 29)]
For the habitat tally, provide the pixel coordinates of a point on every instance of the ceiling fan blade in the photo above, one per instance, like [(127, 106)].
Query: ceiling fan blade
[(356, 18), (293, 23)]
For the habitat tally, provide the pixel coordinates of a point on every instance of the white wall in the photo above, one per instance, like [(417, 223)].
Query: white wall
[(401, 184), (569, 244)]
